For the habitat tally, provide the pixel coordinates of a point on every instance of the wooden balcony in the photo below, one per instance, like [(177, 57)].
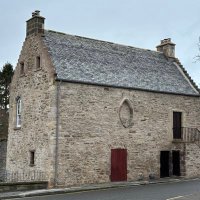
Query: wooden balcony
[(186, 135)]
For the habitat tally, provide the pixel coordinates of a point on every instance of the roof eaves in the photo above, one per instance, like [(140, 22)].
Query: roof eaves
[(125, 87)]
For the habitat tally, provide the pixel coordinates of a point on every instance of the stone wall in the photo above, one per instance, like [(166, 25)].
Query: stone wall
[(3, 124), (91, 125), (21, 186), (37, 91), (3, 150), (192, 160)]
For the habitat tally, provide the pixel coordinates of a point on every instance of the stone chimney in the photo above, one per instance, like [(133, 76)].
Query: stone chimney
[(35, 25), (167, 47)]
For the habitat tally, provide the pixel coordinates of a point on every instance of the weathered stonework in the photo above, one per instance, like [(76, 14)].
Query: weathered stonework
[(192, 160), (126, 113), (37, 91), (90, 128)]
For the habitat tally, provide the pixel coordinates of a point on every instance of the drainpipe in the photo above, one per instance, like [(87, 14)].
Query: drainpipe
[(57, 131)]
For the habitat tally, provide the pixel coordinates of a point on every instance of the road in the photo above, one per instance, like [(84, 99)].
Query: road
[(187, 190)]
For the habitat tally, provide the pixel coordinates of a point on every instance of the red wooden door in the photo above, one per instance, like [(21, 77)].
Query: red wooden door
[(118, 165)]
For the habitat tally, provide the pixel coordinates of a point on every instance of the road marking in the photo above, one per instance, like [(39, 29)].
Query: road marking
[(178, 197)]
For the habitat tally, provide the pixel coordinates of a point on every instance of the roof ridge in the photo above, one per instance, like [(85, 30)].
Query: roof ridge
[(187, 74), (103, 41)]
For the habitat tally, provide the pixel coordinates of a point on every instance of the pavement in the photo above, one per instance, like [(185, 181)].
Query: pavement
[(42, 192)]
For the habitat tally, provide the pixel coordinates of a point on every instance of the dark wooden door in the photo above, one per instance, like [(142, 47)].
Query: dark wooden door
[(177, 125), (176, 163), (118, 165), (164, 164)]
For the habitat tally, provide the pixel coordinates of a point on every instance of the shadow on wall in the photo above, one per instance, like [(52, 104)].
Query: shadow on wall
[(3, 139), (3, 124)]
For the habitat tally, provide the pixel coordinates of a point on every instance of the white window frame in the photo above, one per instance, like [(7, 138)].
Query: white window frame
[(18, 112)]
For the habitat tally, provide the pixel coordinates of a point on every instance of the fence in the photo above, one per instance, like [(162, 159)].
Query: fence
[(23, 176)]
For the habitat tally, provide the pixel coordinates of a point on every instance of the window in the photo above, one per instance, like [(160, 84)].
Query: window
[(18, 113), (32, 158), (38, 62), (177, 125), (22, 68)]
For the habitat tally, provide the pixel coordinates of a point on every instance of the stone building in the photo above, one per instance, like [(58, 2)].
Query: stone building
[(89, 111)]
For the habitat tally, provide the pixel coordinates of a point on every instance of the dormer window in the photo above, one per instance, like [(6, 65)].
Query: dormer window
[(18, 112), (38, 62), (22, 68)]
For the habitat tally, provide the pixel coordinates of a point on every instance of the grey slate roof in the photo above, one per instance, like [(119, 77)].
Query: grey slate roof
[(85, 60)]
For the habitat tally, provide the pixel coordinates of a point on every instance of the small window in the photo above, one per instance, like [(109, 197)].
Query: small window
[(32, 158), (38, 62), (22, 68), (177, 125), (18, 113)]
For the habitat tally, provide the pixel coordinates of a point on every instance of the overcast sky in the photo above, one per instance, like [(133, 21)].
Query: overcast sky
[(139, 23)]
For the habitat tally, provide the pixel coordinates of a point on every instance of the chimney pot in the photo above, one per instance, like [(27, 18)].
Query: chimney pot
[(36, 13), (167, 47)]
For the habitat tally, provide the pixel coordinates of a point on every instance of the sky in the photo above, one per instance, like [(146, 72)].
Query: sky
[(138, 23)]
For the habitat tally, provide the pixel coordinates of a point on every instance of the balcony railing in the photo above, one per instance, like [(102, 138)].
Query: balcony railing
[(23, 176), (187, 135)]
